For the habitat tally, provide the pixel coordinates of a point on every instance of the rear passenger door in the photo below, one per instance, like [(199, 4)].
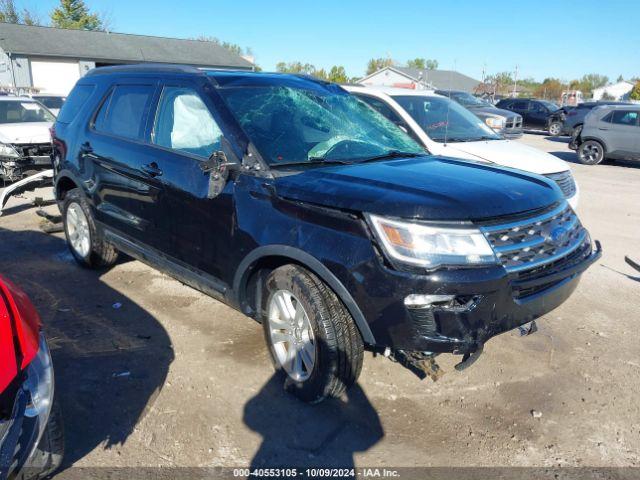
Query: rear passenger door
[(623, 135), (124, 185)]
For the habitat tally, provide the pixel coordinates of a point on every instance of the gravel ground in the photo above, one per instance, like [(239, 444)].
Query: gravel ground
[(152, 373)]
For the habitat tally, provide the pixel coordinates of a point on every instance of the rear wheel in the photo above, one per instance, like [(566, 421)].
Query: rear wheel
[(555, 129), (591, 152), (84, 240), (313, 340)]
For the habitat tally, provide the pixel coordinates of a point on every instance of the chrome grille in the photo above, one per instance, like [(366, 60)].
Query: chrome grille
[(34, 149), (565, 181), (532, 242)]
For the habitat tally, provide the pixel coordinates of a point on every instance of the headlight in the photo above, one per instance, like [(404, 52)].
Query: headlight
[(495, 122), (39, 382), (430, 246), (8, 151)]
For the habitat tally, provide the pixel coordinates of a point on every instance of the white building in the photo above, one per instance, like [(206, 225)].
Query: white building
[(51, 60), (619, 91), (406, 77)]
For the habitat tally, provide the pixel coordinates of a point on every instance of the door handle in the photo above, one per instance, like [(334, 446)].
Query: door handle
[(152, 169)]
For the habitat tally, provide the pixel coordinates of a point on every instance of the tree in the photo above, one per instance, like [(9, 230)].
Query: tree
[(376, 64), (74, 14), (620, 78), (589, 82), (9, 14), (635, 91), (296, 67), (423, 64), (550, 88), (337, 74)]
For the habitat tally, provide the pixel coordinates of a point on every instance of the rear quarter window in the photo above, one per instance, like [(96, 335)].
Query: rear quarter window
[(75, 101)]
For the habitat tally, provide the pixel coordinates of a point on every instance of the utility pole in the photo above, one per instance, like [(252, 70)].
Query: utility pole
[(515, 83)]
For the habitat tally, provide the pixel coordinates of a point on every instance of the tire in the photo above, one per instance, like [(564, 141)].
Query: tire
[(332, 335), (48, 455), (94, 251), (591, 152), (555, 129)]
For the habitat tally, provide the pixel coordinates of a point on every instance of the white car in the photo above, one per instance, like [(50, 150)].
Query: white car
[(25, 140), (446, 128)]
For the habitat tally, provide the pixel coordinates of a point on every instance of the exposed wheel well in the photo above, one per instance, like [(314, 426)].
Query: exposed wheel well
[(63, 185)]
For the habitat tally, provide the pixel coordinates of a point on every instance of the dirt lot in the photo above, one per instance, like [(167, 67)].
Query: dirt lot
[(151, 372)]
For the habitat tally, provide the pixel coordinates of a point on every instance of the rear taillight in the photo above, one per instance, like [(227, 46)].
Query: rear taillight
[(24, 319)]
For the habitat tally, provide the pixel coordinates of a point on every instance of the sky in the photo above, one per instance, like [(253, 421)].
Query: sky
[(562, 39)]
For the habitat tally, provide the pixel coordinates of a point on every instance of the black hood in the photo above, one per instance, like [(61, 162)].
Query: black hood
[(429, 187)]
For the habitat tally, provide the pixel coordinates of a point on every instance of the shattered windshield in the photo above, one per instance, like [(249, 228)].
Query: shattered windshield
[(444, 120), (298, 125)]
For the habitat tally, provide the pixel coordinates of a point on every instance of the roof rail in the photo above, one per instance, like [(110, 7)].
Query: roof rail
[(144, 68)]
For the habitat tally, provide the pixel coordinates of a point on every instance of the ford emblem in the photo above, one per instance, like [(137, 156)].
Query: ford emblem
[(558, 235)]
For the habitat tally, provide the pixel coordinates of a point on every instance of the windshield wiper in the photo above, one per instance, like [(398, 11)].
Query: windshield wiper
[(390, 154), (311, 161)]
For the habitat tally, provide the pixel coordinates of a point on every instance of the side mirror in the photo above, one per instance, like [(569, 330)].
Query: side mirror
[(218, 165)]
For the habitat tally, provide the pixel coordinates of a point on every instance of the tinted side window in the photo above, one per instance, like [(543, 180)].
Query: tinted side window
[(520, 105), (625, 117), (77, 98), (184, 123), (124, 112)]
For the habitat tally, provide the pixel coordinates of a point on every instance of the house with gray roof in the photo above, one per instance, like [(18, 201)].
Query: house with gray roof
[(51, 60), (405, 77)]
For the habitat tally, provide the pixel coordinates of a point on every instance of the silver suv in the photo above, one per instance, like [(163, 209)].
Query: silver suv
[(609, 132)]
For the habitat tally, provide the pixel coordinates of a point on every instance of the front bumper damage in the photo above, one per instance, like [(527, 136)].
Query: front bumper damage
[(464, 308)]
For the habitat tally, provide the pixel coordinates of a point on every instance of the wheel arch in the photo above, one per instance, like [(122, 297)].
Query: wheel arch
[(265, 259), (64, 182)]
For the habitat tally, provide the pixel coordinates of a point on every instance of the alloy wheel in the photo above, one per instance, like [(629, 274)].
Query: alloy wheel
[(78, 230), (591, 153), (291, 335)]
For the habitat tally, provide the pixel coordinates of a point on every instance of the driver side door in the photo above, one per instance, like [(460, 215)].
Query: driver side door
[(185, 133), (537, 115)]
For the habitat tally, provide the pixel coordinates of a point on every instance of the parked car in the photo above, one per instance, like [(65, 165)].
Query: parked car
[(556, 120), (52, 102), (25, 143), (31, 441), (444, 127), (609, 132), (575, 117), (536, 114), (296, 203), (503, 122)]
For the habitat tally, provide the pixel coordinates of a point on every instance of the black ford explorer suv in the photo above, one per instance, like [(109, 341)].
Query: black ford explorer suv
[(295, 202)]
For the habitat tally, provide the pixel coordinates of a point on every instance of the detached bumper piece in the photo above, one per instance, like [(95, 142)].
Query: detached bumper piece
[(40, 179)]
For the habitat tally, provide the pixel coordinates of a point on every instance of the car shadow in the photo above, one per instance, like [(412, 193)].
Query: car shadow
[(563, 139), (296, 434), (572, 157), (111, 357)]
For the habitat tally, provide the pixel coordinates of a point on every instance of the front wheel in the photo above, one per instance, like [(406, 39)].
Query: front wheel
[(313, 340), (555, 129), (591, 152)]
